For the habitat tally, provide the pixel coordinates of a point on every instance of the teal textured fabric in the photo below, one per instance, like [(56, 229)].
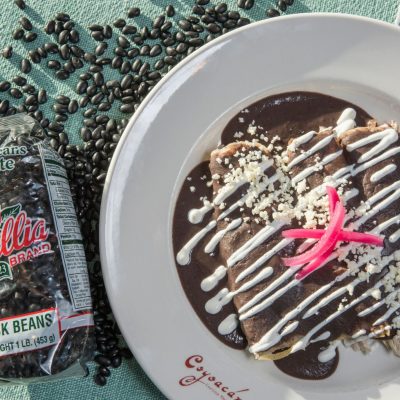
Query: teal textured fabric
[(129, 381)]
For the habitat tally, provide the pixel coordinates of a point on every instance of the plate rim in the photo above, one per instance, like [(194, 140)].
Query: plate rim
[(140, 135)]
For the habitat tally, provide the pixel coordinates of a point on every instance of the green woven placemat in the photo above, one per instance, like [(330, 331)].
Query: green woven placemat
[(129, 381)]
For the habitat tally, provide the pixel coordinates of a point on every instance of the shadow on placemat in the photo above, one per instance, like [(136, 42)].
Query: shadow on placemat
[(129, 382)]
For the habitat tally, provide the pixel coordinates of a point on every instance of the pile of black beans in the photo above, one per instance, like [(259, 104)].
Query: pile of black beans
[(141, 55)]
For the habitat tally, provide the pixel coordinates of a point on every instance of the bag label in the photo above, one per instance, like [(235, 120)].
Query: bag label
[(29, 331)]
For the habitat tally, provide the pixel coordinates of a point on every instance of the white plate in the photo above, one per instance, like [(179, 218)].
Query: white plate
[(349, 57)]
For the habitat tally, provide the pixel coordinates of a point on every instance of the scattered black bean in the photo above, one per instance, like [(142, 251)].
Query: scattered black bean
[(129, 29), (26, 66), (18, 34), (170, 10), (107, 32), (42, 96), (25, 23), (62, 75), (19, 80), (7, 52), (54, 64), (4, 86), (133, 12), (20, 4), (63, 17), (30, 37), (16, 93), (98, 35), (272, 12), (282, 5), (34, 56), (119, 23)]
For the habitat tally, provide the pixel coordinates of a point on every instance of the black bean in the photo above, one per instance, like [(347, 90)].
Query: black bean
[(213, 28), (69, 67), (74, 36), (20, 4), (81, 87), (272, 12), (104, 106), (104, 371), (170, 60), (73, 107), (77, 62), (7, 52), (185, 25), (169, 41), (119, 23), (4, 86), (30, 37), (59, 27), (50, 27), (158, 22), (4, 106), (123, 42), (56, 127), (69, 25), (107, 32), (63, 37), (84, 101), (91, 90), (30, 100), (61, 117), (42, 52), (51, 47), (170, 10), (116, 360), (77, 51), (289, 2), (65, 52), (116, 62), (133, 12), (159, 64), (63, 17), (42, 96), (132, 53), (19, 80), (101, 48), (100, 380), (26, 66), (97, 98), (95, 68), (202, 2), (98, 78), (97, 35), (18, 34), (155, 50), (129, 29), (35, 56), (30, 89), (89, 57), (25, 23), (125, 67), (221, 8), (16, 93), (180, 37), (126, 81), (53, 64), (282, 5), (198, 10), (62, 75), (127, 108), (243, 21)]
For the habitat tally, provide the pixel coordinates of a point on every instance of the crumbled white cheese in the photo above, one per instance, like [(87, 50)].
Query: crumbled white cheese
[(192, 189)]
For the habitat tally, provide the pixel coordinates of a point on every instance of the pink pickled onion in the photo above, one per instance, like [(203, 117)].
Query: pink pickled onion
[(327, 239), (344, 236), (315, 264), (333, 198)]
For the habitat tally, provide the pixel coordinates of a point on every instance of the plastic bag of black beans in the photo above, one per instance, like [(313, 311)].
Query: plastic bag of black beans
[(46, 320)]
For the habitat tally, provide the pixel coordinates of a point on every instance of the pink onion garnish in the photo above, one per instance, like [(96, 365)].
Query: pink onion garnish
[(344, 236), (317, 256), (327, 239)]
